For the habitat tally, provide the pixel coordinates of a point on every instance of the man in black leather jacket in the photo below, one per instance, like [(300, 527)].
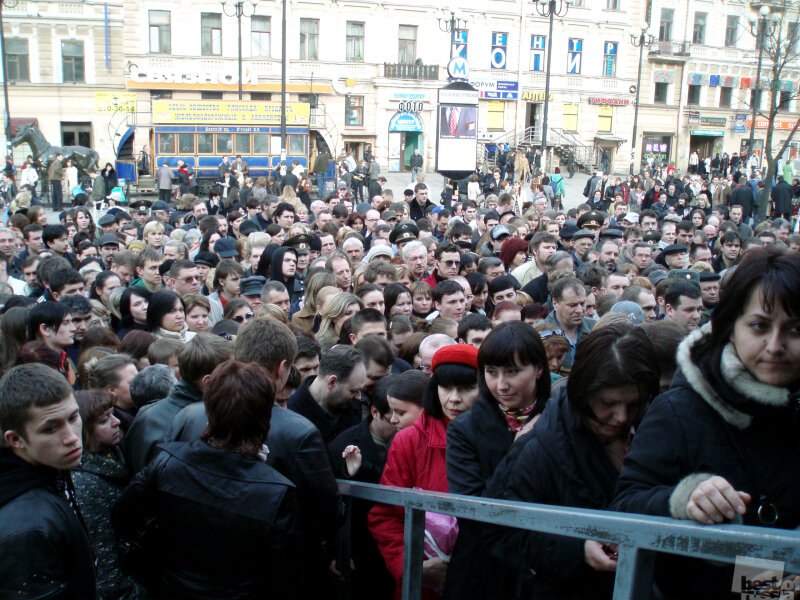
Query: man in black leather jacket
[(296, 449), (44, 544)]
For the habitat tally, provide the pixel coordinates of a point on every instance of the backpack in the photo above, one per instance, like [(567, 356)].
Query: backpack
[(554, 186)]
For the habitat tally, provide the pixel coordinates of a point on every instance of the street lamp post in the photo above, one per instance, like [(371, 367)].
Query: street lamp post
[(450, 21), (239, 11), (6, 110), (640, 38), (549, 9), (758, 26)]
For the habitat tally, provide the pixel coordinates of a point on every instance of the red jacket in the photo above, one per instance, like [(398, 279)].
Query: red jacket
[(416, 460)]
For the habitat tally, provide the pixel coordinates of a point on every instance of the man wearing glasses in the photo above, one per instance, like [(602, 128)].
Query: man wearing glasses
[(448, 258), (184, 277)]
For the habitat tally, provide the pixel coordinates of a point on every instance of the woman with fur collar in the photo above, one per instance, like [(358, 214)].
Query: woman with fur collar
[(722, 444)]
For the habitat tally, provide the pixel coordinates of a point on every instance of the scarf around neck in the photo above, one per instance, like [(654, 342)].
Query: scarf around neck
[(516, 418)]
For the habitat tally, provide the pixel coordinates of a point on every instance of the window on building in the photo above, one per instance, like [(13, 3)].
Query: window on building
[(311, 99), (605, 118), (785, 99), (260, 31), (699, 31), (72, 61), (791, 36), (260, 96), (76, 134), (407, 44), (17, 60), (160, 95), (355, 41), (354, 111), (574, 56), (693, 97), (665, 26), (309, 39), (210, 34), (732, 32), (160, 33), (538, 48), (497, 115), (725, 96), (569, 119), (660, 95), (612, 4), (211, 95), (609, 59)]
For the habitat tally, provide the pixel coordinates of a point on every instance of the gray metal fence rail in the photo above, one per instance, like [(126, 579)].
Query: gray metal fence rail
[(639, 537)]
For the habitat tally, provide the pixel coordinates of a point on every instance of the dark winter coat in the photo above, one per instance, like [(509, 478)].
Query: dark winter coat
[(303, 403), (782, 197), (153, 423), (716, 419), (477, 442), (226, 525), (417, 211), (743, 195), (415, 161), (44, 545), (99, 482), (562, 464)]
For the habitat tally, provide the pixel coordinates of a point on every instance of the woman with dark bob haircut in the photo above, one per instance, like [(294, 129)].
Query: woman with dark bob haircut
[(133, 309), (166, 317), (226, 484), (514, 383), (417, 460), (573, 458), (722, 444)]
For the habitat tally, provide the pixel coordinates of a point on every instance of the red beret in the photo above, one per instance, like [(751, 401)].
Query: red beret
[(462, 354)]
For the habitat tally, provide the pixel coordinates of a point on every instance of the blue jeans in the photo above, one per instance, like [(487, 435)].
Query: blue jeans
[(321, 184), (414, 172)]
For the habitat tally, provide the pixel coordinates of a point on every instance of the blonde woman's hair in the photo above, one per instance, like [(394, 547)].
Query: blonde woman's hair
[(272, 311), (334, 309), (112, 303), (257, 238), (152, 227), (102, 373), (314, 284), (100, 309), (177, 234), (323, 294)]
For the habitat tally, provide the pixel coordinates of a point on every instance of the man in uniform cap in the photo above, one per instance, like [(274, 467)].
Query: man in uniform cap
[(141, 209), (404, 233), (301, 243), (674, 256), (592, 221), (251, 290), (685, 274)]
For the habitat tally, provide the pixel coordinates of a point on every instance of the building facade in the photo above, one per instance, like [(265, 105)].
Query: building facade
[(64, 70)]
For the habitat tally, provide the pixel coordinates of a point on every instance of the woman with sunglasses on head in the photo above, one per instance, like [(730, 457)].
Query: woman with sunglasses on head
[(514, 386), (573, 457), (238, 310), (721, 444), (166, 317), (557, 346)]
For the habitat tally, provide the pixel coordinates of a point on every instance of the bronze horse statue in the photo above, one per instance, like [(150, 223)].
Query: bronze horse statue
[(82, 157)]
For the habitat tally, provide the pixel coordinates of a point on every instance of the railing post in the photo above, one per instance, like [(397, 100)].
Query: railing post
[(634, 579), (413, 542), (344, 548)]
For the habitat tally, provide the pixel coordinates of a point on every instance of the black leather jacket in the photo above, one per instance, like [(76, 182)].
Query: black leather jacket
[(226, 524), (44, 548)]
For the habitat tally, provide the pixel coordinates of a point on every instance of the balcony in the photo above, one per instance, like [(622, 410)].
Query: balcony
[(410, 71), (670, 52)]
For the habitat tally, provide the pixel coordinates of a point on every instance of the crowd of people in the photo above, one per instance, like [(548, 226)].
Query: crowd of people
[(184, 380)]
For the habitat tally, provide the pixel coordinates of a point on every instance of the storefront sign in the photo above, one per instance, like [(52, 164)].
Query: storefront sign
[(740, 123), (491, 89), (234, 113), (405, 121), (695, 118), (536, 96), (411, 96), (610, 101), (115, 102), (709, 132), (224, 79), (764, 124), (447, 96)]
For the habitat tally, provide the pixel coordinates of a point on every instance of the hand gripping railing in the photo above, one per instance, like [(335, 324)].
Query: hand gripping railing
[(639, 537)]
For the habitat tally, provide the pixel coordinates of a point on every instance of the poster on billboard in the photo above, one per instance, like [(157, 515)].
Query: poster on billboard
[(457, 134)]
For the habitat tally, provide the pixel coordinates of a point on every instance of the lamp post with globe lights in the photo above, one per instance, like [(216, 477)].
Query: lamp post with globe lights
[(549, 9), (758, 27), (641, 38), (239, 10)]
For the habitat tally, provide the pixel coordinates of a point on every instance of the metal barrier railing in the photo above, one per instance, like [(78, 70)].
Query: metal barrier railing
[(639, 537)]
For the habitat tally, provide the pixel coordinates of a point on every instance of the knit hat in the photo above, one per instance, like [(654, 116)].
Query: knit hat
[(462, 354)]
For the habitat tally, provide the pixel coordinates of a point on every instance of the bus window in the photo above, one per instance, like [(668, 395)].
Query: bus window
[(205, 143), (186, 143), (242, 143), (261, 143), (166, 143), (224, 143), (297, 145)]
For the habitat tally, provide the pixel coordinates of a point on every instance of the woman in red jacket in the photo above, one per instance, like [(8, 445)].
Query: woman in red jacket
[(417, 458)]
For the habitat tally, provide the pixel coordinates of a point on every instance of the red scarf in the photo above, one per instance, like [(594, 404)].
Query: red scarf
[(516, 418)]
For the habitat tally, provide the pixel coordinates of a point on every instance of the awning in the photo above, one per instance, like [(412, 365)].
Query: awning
[(607, 137), (125, 137)]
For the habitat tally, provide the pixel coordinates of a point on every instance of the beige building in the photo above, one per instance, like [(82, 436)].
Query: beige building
[(64, 68)]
